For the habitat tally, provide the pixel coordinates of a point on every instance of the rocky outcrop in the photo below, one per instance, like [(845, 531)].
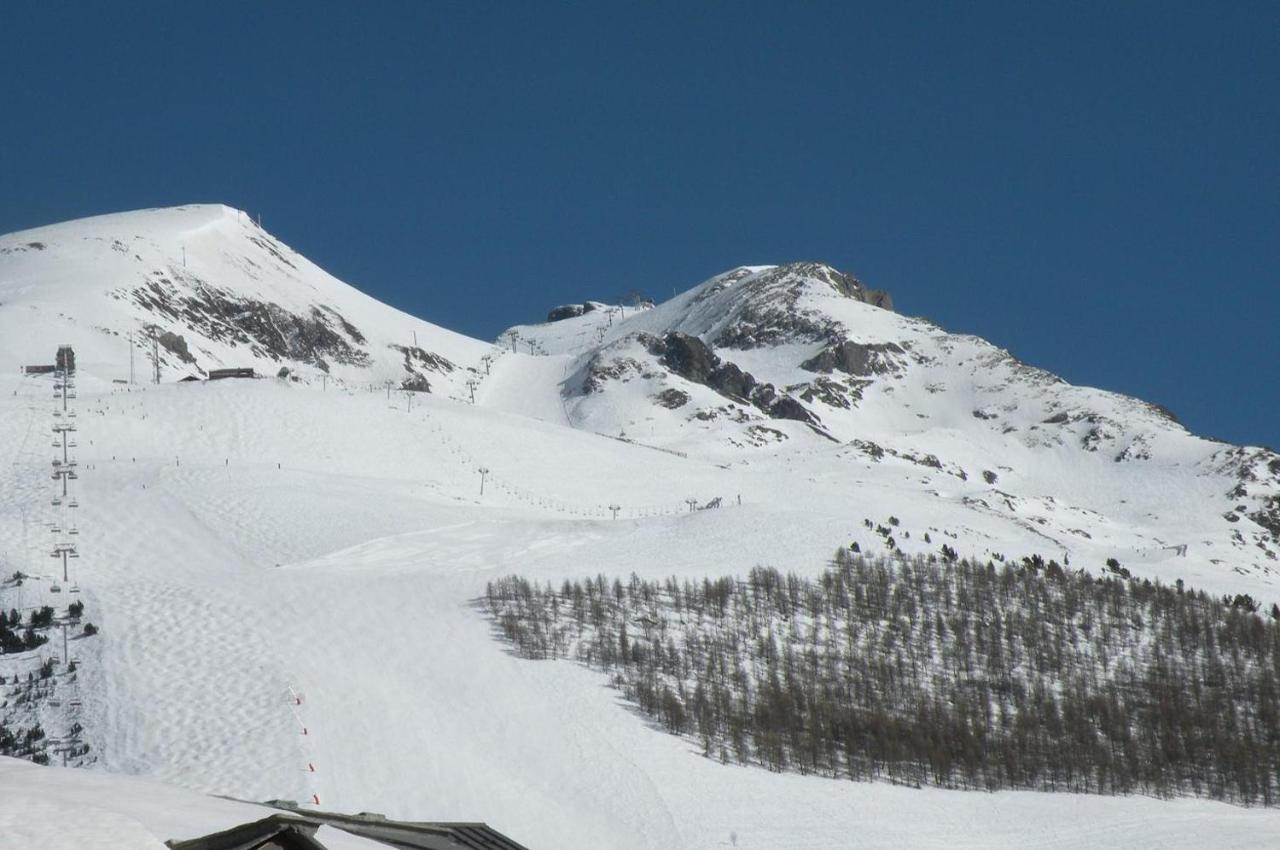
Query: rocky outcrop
[(570, 311), (418, 361), (856, 359), (772, 313), (693, 360), (176, 345), (267, 329), (672, 398)]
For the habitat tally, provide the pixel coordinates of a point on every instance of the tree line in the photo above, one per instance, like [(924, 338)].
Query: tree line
[(935, 670)]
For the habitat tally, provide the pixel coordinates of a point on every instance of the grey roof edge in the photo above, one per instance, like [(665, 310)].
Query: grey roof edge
[(248, 835)]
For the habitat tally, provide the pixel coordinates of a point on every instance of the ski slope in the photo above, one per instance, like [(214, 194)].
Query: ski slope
[(348, 573), (250, 543)]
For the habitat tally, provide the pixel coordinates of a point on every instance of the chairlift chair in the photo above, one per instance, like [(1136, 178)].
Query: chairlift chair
[(55, 501), (73, 554), (55, 588), (73, 530), (75, 588)]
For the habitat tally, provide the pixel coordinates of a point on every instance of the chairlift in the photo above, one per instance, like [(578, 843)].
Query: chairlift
[(73, 555), (73, 503), (73, 530), (75, 588), (55, 501), (55, 588), (54, 528)]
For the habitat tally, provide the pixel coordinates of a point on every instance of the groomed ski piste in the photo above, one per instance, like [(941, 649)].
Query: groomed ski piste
[(284, 574)]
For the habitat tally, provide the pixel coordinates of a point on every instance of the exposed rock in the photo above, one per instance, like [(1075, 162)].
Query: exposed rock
[(565, 311), (854, 358), (828, 392), (692, 359), (688, 357), (570, 311), (672, 398), (728, 379), (176, 345), (761, 435), (266, 328), (417, 362), (1268, 516), (602, 369), (773, 315), (788, 408), (416, 383)]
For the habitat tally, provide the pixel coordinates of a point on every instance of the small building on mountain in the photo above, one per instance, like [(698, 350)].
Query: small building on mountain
[(238, 372)]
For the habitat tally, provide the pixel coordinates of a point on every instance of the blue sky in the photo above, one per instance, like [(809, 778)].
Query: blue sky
[(1094, 186)]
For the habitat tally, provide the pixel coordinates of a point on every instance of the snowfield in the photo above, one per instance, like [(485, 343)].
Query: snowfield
[(271, 556)]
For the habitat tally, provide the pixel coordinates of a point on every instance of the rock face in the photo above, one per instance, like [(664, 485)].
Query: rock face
[(771, 314), (691, 359), (417, 362), (318, 338), (570, 311), (177, 345), (856, 359)]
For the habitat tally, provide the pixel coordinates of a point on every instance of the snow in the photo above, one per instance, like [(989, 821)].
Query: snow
[(61, 809), (247, 540)]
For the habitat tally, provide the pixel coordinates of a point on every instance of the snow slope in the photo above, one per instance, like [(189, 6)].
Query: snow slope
[(226, 292), (248, 541)]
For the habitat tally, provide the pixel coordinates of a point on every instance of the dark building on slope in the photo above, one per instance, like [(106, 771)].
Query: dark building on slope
[(296, 830)]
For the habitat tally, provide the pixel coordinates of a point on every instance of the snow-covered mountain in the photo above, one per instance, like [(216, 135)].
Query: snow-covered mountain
[(284, 554), (216, 291), (769, 362)]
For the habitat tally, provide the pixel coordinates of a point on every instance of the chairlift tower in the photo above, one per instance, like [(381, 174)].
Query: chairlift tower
[(64, 463)]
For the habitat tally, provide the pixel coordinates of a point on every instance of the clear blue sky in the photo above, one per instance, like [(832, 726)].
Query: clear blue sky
[(1093, 186)]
